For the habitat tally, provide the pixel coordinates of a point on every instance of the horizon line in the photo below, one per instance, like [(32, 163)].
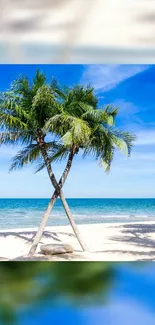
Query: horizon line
[(14, 198)]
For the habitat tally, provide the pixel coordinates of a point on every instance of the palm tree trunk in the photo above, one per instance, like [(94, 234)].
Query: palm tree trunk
[(58, 189), (43, 223), (51, 204), (72, 222)]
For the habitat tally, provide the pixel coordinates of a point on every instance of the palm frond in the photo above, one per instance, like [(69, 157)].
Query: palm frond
[(78, 133), (107, 155), (70, 127), (43, 105), (110, 110), (11, 121), (9, 137), (97, 116), (71, 115), (124, 141), (38, 81), (80, 93), (56, 153), (27, 155), (56, 89), (21, 86)]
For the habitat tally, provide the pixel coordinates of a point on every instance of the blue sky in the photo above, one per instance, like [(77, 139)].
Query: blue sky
[(129, 87)]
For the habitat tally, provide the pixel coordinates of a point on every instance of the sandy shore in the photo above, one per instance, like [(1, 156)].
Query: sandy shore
[(107, 242)]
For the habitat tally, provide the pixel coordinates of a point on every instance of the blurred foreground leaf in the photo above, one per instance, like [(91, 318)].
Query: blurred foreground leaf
[(25, 284)]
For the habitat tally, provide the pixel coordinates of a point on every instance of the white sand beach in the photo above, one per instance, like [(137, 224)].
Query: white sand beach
[(107, 242)]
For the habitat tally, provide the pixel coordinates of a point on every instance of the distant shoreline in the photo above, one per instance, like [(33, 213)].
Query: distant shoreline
[(29, 229), (80, 198)]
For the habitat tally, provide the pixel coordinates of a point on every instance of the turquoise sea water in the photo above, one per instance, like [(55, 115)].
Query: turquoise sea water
[(20, 213)]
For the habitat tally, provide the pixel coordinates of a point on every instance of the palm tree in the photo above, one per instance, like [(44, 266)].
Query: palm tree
[(24, 111), (82, 126), (73, 117)]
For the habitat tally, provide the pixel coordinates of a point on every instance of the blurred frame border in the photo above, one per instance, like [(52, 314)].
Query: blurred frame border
[(77, 31)]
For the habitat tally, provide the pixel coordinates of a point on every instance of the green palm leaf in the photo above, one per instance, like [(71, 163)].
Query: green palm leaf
[(71, 115), (28, 155)]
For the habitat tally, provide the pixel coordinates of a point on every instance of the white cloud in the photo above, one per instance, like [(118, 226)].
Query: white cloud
[(145, 137), (106, 77), (126, 108), (143, 156)]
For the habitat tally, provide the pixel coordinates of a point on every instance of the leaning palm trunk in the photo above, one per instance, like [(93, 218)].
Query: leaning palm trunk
[(72, 222), (43, 223), (50, 206), (56, 193)]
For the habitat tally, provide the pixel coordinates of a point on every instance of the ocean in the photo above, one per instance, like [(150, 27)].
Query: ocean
[(25, 213)]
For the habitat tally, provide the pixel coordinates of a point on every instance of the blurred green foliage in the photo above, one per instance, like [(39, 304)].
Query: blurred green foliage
[(25, 284)]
